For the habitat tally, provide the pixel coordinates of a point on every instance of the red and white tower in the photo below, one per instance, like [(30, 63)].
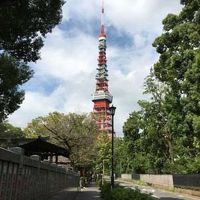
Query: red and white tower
[(102, 98)]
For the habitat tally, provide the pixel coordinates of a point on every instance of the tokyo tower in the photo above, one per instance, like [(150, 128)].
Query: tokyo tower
[(102, 97)]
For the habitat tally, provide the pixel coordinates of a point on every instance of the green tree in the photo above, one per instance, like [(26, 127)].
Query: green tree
[(135, 144), (169, 125), (75, 132), (131, 140), (157, 139), (103, 154), (178, 47), (25, 23), (9, 132), (178, 68), (12, 75), (123, 158)]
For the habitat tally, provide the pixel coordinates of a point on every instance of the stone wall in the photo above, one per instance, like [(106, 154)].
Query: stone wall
[(24, 178)]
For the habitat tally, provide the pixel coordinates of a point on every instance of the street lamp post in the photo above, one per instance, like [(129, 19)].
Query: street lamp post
[(112, 112)]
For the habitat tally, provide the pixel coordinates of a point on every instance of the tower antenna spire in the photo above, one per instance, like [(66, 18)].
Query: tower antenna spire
[(102, 13), (102, 31)]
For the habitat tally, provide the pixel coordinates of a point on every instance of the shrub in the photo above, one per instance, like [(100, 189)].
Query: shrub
[(121, 193), (106, 191), (83, 181), (99, 181)]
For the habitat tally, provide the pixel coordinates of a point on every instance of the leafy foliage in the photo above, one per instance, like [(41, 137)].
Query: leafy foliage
[(166, 129), (75, 132), (123, 157), (8, 132), (12, 75), (120, 193), (103, 154), (25, 23)]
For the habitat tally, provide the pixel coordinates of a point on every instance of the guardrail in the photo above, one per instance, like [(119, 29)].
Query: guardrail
[(23, 178)]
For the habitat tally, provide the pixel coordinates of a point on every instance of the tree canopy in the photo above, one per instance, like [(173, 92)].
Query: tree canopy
[(75, 132), (12, 75), (9, 132), (103, 154), (24, 25), (167, 128)]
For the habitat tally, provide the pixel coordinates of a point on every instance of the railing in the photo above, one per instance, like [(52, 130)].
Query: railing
[(22, 178)]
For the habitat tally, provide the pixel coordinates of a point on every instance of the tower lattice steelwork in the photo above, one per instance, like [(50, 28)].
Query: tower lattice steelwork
[(102, 98)]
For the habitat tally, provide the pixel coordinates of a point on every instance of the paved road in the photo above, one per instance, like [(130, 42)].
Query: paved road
[(93, 193), (158, 193), (88, 193)]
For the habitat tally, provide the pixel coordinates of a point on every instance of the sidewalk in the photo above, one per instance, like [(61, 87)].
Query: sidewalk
[(88, 193)]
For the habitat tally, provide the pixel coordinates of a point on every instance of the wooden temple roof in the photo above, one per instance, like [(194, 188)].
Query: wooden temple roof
[(41, 147)]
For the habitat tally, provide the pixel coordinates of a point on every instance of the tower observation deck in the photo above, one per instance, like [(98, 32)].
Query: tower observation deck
[(102, 97)]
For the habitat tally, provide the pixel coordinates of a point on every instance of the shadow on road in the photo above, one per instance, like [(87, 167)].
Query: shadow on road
[(88, 194), (64, 194)]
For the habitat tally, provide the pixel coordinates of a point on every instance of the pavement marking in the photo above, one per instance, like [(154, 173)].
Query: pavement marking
[(97, 196), (155, 196)]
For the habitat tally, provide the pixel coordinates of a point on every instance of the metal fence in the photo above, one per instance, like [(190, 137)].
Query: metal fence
[(22, 178)]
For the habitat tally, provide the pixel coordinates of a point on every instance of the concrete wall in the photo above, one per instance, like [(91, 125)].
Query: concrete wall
[(23, 178), (168, 181), (126, 176), (160, 180)]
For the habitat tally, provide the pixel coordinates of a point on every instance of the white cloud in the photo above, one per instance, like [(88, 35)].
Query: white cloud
[(64, 57), (70, 56)]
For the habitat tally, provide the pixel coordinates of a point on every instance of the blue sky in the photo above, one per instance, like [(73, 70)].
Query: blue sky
[(65, 76)]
